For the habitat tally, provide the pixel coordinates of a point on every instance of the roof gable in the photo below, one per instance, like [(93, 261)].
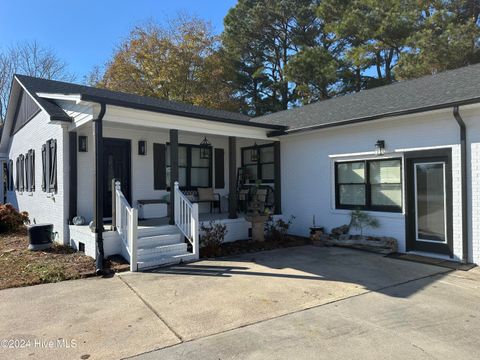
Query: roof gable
[(26, 109)]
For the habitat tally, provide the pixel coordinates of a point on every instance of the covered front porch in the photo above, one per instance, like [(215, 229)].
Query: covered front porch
[(219, 167)]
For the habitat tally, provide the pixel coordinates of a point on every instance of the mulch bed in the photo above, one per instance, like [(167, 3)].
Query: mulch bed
[(22, 267), (248, 246)]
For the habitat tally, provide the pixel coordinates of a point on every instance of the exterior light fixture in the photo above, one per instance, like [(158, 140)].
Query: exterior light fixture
[(380, 147), (254, 153), (205, 147), (142, 147), (82, 144)]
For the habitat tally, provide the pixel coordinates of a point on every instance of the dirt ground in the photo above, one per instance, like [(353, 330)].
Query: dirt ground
[(22, 267)]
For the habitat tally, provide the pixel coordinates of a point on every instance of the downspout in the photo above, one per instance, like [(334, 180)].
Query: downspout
[(464, 189), (98, 188)]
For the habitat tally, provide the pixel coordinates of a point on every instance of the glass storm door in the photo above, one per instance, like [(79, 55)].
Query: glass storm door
[(430, 202), (428, 217)]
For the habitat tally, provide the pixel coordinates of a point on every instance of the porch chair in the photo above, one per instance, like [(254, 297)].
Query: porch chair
[(206, 195)]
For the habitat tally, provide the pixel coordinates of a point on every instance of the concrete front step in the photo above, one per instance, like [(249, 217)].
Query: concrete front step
[(165, 261)]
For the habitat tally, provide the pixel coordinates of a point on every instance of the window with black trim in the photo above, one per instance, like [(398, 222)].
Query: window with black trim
[(258, 162), (193, 171), (369, 185)]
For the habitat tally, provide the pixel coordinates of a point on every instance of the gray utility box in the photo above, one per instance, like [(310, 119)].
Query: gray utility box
[(40, 236)]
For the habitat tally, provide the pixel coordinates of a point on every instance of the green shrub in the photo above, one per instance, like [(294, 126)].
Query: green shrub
[(11, 219), (212, 238)]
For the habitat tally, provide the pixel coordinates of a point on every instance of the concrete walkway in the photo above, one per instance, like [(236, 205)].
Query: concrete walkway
[(291, 303)]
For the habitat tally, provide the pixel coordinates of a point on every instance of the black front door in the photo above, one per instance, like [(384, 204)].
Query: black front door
[(429, 202), (116, 160)]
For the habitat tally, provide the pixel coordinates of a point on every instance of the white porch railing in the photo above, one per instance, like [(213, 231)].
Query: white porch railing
[(126, 223), (186, 219)]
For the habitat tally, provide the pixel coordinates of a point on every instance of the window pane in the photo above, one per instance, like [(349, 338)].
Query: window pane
[(351, 172), (182, 156), (387, 195), (266, 154), (196, 161), (352, 194), (385, 172), (199, 177), (251, 172), (182, 176), (268, 171)]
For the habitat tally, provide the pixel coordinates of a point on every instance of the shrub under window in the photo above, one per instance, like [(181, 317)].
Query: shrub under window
[(369, 185)]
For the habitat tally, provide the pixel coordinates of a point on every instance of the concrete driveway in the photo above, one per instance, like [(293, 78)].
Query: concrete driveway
[(287, 303)]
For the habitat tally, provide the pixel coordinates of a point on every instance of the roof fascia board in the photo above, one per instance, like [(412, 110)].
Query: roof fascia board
[(54, 96), (126, 104)]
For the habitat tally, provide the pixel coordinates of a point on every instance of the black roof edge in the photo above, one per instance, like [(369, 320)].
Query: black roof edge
[(61, 118), (379, 116), (99, 99)]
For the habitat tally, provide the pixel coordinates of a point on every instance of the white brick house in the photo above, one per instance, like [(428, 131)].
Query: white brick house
[(407, 153)]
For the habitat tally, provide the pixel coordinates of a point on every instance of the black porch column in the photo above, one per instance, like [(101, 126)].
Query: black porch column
[(232, 177), (72, 188), (173, 171), (278, 178), (98, 187)]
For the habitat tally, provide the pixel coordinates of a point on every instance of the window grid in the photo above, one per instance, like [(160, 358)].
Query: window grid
[(367, 186)]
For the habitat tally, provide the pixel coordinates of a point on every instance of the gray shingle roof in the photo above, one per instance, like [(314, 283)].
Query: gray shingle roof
[(87, 93), (454, 87)]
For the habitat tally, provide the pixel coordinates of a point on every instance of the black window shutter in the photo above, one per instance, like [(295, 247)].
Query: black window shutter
[(22, 173), (32, 170), (44, 167), (219, 168), (10, 175), (159, 167), (27, 171), (53, 167), (17, 174)]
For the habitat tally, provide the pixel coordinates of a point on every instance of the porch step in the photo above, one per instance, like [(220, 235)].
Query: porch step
[(161, 239), (165, 261), (159, 251), (157, 230)]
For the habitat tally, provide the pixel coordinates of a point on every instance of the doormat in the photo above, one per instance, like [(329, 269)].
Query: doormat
[(433, 261)]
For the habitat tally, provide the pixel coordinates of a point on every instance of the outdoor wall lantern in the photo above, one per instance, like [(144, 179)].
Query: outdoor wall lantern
[(82, 144), (205, 147), (380, 147), (254, 153), (142, 147)]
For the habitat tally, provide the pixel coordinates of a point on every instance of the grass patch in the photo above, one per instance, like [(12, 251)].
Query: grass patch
[(22, 267)]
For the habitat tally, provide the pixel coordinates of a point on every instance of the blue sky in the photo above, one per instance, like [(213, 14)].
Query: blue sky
[(84, 33)]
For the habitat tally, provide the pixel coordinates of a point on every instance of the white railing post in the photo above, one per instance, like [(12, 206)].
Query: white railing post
[(176, 204), (133, 239), (194, 231)]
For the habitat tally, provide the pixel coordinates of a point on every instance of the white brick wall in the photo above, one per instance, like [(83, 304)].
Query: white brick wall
[(308, 177), (42, 207)]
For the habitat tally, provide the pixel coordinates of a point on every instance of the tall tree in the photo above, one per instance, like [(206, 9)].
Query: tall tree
[(446, 37), (260, 39), (29, 58), (372, 34), (180, 62)]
